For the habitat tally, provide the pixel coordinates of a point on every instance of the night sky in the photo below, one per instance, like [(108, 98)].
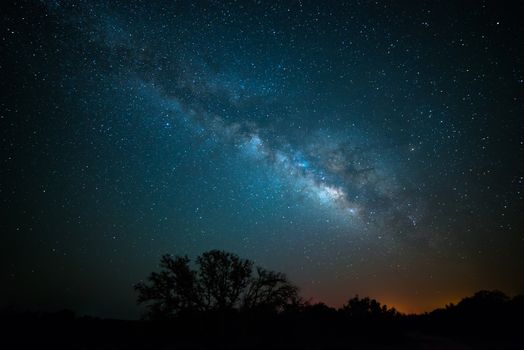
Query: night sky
[(367, 147)]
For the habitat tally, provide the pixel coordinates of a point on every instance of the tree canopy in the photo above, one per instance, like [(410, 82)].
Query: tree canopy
[(218, 281)]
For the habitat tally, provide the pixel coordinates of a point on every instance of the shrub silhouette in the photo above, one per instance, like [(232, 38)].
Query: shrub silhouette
[(367, 309), (221, 282)]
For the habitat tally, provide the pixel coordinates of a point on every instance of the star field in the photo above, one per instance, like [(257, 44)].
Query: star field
[(359, 147)]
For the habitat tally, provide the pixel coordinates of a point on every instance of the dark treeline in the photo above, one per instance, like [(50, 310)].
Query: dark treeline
[(223, 301)]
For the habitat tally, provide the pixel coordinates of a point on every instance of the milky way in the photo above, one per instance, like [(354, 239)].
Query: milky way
[(331, 171), (360, 147)]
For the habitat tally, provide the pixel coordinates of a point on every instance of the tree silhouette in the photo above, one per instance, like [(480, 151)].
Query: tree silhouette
[(482, 305), (223, 277), (222, 281), (170, 291), (269, 290), (366, 309)]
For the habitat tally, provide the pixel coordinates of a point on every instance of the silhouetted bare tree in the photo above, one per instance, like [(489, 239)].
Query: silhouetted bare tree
[(223, 281), (269, 290), (172, 290), (223, 277)]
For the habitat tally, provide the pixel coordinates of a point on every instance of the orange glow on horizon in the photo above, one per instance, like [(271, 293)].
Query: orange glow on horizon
[(404, 306)]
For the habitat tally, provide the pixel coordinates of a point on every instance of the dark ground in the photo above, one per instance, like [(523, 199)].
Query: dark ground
[(323, 328)]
